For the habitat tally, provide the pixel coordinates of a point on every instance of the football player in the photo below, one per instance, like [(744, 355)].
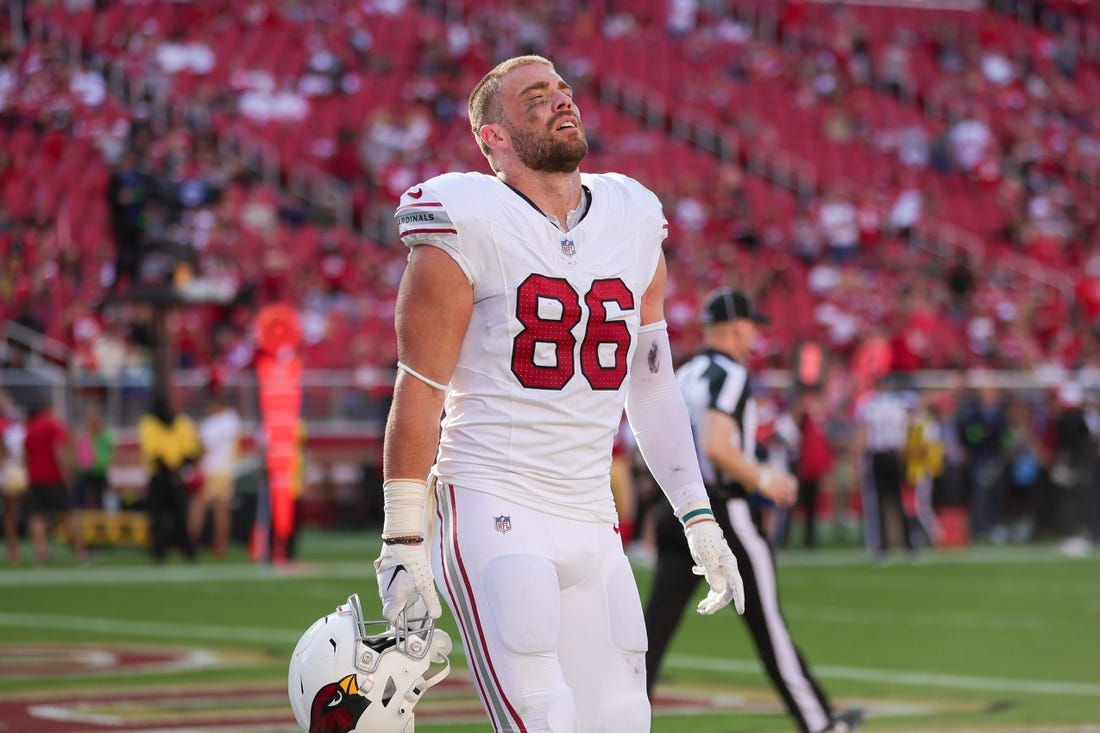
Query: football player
[(529, 315)]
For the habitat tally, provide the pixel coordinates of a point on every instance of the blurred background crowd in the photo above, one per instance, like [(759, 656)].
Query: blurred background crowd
[(905, 188)]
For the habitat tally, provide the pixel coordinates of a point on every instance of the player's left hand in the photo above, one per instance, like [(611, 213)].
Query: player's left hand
[(714, 560)]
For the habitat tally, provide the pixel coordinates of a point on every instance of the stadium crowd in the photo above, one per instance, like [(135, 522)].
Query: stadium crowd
[(120, 169)]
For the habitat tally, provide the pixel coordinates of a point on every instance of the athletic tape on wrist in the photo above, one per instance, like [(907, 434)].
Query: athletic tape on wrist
[(404, 501)]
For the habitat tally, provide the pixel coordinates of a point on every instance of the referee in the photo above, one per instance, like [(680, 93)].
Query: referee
[(716, 388), (882, 420)]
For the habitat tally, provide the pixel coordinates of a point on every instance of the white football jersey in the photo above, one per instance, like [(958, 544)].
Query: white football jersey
[(538, 392)]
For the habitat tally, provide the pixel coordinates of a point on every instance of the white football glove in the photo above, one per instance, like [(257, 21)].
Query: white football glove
[(714, 560), (404, 568), (405, 576)]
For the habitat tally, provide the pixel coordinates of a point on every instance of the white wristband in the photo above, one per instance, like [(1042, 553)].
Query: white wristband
[(766, 475), (695, 513), (430, 382), (404, 501)]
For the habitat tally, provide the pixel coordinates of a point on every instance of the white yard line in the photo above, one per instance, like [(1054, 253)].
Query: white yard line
[(156, 629), (898, 619), (900, 677), (1002, 729), (982, 555), (903, 580), (184, 574)]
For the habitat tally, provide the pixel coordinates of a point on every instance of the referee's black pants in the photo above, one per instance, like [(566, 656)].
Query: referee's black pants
[(674, 585), (886, 474)]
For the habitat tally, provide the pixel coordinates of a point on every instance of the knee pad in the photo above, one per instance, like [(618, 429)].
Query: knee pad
[(553, 712), (626, 714)]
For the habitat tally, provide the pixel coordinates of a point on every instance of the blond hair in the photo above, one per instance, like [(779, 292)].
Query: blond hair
[(484, 106)]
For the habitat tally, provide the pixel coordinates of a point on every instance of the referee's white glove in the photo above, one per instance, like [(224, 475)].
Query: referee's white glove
[(714, 560)]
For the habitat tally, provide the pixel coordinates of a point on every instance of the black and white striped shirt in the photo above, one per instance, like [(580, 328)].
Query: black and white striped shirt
[(885, 417), (714, 381)]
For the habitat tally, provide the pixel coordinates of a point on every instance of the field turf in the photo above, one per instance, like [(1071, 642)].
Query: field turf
[(986, 639)]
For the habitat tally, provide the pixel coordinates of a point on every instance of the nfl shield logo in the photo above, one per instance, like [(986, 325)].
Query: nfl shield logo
[(568, 248), (503, 523)]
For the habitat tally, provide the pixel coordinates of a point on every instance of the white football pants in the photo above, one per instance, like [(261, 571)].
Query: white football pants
[(549, 614)]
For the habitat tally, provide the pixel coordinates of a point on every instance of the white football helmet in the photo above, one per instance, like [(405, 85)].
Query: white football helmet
[(348, 675)]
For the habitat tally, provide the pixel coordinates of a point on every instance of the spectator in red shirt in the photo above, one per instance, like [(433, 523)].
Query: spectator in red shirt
[(815, 460), (49, 462), (1087, 292)]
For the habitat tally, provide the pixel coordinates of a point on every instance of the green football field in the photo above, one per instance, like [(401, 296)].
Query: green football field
[(987, 639)]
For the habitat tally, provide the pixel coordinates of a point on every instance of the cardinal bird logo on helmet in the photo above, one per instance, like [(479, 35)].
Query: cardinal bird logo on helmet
[(337, 707)]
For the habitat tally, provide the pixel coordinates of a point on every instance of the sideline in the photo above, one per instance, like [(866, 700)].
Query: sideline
[(315, 569), (143, 575)]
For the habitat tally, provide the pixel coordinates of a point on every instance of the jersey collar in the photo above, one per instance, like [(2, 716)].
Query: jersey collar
[(572, 219)]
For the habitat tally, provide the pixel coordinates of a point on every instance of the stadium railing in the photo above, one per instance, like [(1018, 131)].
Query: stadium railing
[(355, 400), (335, 400)]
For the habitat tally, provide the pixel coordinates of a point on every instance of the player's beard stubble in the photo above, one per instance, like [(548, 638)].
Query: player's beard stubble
[(547, 152)]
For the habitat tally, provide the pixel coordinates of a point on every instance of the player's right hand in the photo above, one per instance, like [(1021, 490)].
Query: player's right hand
[(404, 576), (714, 560)]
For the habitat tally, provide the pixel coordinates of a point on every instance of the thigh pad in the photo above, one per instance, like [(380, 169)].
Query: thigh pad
[(522, 591)]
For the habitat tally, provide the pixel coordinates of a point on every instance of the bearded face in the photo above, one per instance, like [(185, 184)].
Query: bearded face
[(547, 149)]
